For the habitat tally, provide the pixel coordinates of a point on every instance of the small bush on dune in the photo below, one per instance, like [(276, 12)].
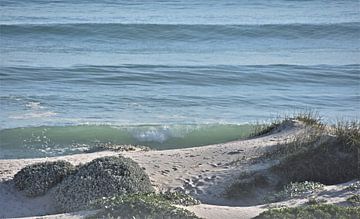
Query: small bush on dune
[(102, 177), (312, 212), (178, 198), (354, 186), (295, 190), (354, 200), (38, 178), (142, 206)]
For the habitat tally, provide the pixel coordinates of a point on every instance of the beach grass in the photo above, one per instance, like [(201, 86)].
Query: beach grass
[(308, 117), (322, 154), (329, 159)]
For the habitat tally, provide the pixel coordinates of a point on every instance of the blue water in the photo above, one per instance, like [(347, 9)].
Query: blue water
[(169, 73)]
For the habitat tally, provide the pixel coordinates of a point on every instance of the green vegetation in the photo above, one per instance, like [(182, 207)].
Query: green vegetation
[(328, 163), (354, 200), (324, 154), (315, 201), (312, 212), (348, 134), (354, 186), (309, 117), (263, 129), (329, 157), (143, 206), (38, 178), (178, 198), (300, 143), (102, 177), (296, 190)]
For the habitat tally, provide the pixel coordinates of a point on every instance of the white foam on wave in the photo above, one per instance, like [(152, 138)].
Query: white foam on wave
[(160, 133), (34, 105), (36, 111), (34, 115)]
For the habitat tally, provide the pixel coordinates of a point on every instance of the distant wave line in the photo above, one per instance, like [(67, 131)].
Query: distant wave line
[(188, 75), (186, 31)]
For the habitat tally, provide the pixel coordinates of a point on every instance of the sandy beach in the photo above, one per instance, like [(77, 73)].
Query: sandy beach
[(203, 172)]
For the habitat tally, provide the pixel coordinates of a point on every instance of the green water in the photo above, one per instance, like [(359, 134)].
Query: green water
[(61, 140)]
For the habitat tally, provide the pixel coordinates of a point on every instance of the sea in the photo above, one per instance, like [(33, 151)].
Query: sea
[(78, 74)]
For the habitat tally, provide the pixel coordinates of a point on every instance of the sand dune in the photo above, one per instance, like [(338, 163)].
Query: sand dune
[(203, 172)]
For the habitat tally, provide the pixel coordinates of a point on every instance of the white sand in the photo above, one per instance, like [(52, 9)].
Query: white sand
[(203, 172)]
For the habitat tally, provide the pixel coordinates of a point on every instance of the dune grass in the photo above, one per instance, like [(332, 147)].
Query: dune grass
[(330, 158), (265, 128), (308, 117), (348, 133), (322, 153)]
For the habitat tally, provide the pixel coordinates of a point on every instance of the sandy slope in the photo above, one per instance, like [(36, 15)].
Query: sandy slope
[(204, 172)]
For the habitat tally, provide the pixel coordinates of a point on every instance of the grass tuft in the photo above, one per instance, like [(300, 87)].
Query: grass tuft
[(348, 133), (309, 117), (265, 128)]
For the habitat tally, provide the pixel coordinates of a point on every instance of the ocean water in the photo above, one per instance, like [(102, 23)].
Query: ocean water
[(169, 74)]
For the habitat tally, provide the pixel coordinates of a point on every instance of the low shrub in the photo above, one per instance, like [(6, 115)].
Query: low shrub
[(178, 198), (354, 186), (296, 190), (102, 177), (354, 200)]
